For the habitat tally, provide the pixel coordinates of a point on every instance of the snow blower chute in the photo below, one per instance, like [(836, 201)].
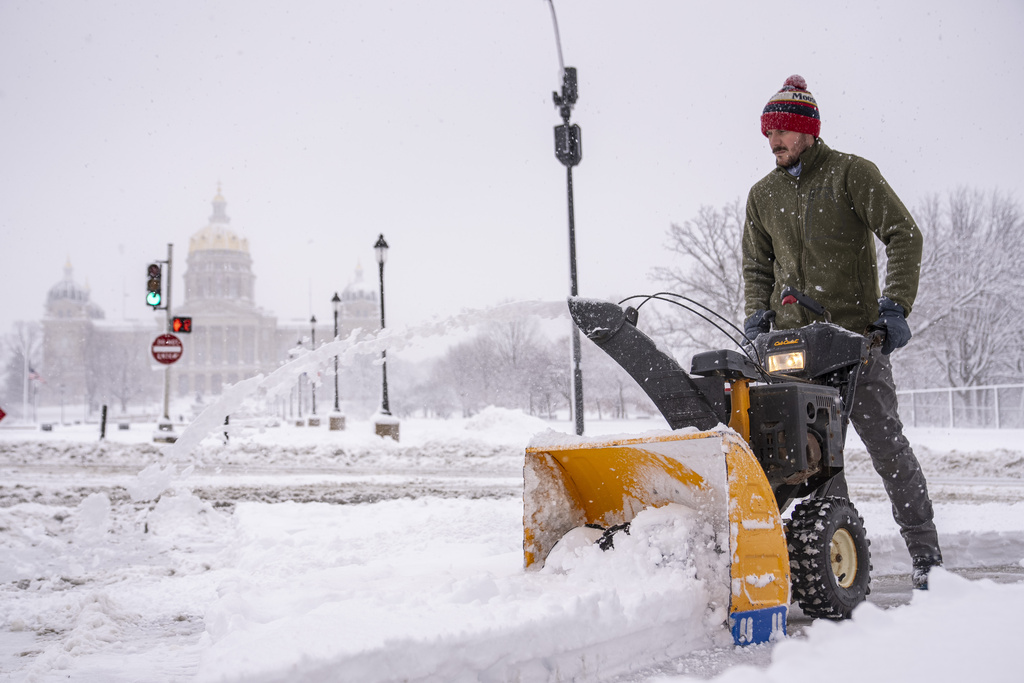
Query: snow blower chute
[(784, 441)]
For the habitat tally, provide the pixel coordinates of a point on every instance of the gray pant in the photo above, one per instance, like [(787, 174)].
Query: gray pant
[(875, 417)]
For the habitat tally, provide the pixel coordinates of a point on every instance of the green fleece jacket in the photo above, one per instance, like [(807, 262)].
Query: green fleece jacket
[(816, 233)]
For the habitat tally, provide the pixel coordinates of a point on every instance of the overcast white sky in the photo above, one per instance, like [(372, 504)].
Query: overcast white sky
[(431, 122)]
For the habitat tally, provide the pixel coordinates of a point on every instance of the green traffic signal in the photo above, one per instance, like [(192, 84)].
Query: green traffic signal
[(154, 275)]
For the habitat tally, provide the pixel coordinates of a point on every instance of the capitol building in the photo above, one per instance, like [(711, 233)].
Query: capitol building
[(89, 360)]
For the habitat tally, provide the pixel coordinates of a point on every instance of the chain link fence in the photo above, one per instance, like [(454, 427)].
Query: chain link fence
[(988, 407)]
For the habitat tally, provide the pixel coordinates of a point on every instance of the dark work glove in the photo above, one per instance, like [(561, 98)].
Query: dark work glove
[(759, 323), (892, 319)]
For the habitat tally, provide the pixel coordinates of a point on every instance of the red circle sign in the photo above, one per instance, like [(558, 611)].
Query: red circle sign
[(166, 349)]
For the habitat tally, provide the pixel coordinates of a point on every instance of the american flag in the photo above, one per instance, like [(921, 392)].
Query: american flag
[(34, 376)]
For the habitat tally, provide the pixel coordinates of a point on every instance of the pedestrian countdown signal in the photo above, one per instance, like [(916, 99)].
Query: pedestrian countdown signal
[(181, 325), (153, 289)]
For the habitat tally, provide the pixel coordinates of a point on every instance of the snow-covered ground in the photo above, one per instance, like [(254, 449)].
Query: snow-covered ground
[(299, 554)]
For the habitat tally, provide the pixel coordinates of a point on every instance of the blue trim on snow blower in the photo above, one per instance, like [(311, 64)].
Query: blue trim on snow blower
[(758, 625)]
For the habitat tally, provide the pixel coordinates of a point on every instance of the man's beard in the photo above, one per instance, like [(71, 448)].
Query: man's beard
[(785, 161)]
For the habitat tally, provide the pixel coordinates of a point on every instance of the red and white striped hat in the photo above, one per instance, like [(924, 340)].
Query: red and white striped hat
[(792, 108)]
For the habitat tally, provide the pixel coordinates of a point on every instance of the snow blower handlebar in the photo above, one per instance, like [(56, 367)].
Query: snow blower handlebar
[(876, 334)]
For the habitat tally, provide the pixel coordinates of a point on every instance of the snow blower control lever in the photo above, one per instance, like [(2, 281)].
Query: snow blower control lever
[(791, 295)]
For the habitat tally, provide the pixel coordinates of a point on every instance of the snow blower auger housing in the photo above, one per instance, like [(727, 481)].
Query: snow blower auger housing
[(786, 415)]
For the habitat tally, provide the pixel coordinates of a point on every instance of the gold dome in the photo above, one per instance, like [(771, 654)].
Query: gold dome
[(217, 235)]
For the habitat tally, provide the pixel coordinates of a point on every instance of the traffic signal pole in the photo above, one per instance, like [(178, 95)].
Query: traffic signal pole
[(167, 324), (165, 424)]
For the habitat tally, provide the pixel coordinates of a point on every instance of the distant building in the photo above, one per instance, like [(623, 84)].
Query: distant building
[(359, 304), (88, 359), (68, 332), (232, 338)]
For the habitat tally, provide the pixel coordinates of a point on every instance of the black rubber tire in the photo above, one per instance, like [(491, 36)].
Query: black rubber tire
[(817, 534)]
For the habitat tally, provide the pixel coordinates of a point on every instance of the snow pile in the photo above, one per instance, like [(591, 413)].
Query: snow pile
[(94, 517), (488, 444), (972, 535), (97, 583), (385, 606), (953, 453), (504, 424), (957, 631)]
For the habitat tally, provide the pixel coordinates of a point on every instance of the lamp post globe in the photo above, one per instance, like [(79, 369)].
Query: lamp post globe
[(380, 248)]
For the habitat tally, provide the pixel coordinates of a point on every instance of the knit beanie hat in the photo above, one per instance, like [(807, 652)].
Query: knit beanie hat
[(792, 108)]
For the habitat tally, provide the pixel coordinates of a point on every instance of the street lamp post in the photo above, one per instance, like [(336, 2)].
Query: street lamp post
[(569, 151), (314, 421), (295, 353), (386, 425), (336, 421)]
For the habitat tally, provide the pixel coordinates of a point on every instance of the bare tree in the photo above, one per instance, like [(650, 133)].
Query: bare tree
[(609, 391), (968, 320), (118, 367), (508, 364), (466, 371), (514, 346), (709, 270), (24, 348)]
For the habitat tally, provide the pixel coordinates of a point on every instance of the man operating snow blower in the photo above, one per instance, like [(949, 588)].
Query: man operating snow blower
[(811, 225)]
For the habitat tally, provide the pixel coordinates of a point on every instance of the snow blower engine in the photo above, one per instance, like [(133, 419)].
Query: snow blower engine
[(786, 399)]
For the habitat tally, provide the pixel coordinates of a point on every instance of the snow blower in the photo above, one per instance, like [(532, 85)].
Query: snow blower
[(752, 433)]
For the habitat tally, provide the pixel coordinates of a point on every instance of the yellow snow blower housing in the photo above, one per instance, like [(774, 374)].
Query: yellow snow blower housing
[(573, 483)]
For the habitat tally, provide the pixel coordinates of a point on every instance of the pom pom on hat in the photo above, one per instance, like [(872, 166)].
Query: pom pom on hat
[(792, 108), (795, 81)]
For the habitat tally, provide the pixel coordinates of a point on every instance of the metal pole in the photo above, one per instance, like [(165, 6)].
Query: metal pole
[(577, 370), (298, 383), (167, 323), (312, 347), (384, 408), (24, 377), (995, 390), (336, 362)]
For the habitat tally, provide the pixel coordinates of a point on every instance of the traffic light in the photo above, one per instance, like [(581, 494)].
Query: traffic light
[(181, 325), (154, 275)]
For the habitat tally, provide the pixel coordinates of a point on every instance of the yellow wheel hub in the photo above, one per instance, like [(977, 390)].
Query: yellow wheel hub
[(843, 554)]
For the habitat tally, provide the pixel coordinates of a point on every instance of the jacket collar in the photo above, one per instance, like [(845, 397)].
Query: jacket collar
[(811, 158)]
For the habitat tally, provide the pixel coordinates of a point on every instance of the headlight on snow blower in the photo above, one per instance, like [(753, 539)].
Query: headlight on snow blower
[(786, 362)]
